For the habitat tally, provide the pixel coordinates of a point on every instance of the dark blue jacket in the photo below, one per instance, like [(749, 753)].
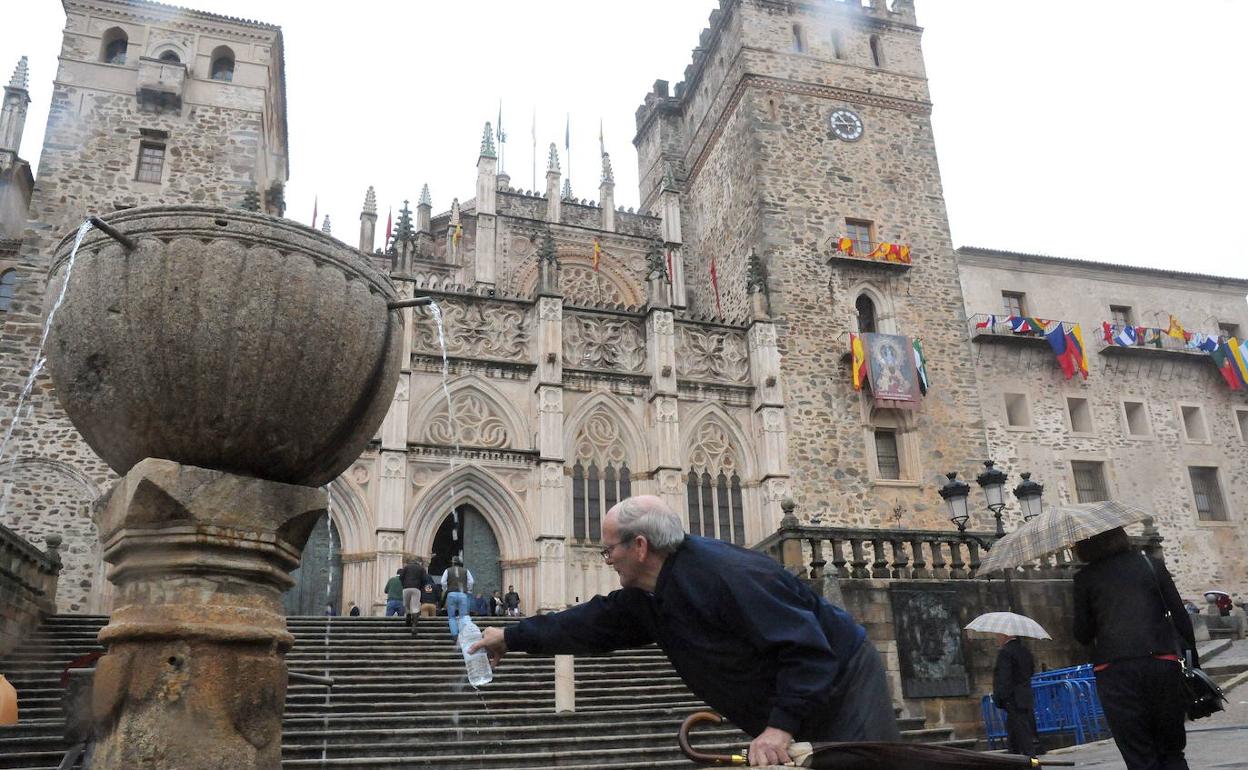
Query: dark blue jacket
[(747, 637)]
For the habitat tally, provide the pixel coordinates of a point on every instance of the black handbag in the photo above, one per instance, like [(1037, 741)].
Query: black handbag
[(1204, 697)]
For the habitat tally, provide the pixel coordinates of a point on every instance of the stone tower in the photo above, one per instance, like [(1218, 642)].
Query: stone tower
[(797, 123), (151, 104)]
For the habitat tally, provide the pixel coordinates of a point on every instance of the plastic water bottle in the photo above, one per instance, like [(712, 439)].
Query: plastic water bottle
[(477, 663)]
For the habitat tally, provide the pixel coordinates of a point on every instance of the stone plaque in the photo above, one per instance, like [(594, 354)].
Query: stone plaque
[(929, 641)]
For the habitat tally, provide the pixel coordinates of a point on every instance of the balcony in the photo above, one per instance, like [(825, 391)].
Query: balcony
[(161, 83), (987, 327), (886, 256), (1114, 340)]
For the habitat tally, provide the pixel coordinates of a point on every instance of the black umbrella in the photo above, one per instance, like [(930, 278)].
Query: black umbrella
[(866, 755)]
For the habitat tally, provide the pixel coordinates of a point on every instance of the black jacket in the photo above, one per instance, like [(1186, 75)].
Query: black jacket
[(1011, 677), (1119, 611), (748, 638), (414, 576)]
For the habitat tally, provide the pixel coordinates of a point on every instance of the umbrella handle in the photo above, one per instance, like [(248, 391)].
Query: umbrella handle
[(682, 737)]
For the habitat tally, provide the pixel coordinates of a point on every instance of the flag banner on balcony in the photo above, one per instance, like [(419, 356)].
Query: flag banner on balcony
[(1022, 324), (1224, 359), (1176, 330), (987, 322), (1067, 345), (891, 369), (845, 245), (891, 252), (920, 365), (858, 361), (1238, 358)]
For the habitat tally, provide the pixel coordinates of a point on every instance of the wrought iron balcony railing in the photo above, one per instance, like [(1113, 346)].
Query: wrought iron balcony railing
[(988, 327), (885, 254), (1117, 339)]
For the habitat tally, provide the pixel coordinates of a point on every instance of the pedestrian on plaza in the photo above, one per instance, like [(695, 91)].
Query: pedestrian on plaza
[(1122, 598), (497, 609), (355, 611), (480, 605), (414, 575), (456, 586), (394, 594), (774, 657), (428, 601), (1011, 692), (512, 601)]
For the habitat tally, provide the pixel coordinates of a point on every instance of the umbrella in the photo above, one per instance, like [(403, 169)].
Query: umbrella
[(1008, 623), (1059, 527), (866, 755)]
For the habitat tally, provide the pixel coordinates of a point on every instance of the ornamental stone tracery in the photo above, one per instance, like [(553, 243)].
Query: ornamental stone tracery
[(599, 441), (713, 355), (713, 449), (582, 285), (475, 424), (603, 343), (475, 330)]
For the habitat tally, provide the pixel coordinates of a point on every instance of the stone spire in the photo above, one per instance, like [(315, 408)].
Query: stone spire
[(425, 199), (424, 211), (487, 142), (403, 242), (606, 194), (370, 201), (325, 227), (368, 221), (547, 265), (553, 199), (608, 176), (21, 77), (552, 164), (567, 189)]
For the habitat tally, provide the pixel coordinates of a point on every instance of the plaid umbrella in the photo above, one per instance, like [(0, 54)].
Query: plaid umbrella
[(1059, 527), (1008, 623), (866, 755)]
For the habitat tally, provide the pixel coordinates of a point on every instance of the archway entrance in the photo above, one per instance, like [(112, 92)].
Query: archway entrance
[(318, 580), (467, 532)]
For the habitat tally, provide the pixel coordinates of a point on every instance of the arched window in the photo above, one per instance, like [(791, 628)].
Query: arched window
[(600, 476), (171, 57), (222, 64), (8, 285), (713, 487), (115, 43), (866, 314), (799, 39), (877, 51), (838, 44)]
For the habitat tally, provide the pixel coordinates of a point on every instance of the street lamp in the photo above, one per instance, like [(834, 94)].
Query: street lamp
[(992, 481), (1029, 493), (955, 493)]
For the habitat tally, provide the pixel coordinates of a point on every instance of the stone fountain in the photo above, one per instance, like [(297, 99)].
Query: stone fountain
[(227, 365)]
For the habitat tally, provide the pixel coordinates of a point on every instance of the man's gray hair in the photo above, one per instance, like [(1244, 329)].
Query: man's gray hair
[(650, 517)]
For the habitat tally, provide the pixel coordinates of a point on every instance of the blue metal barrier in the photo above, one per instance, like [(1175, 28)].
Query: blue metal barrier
[(1065, 705)]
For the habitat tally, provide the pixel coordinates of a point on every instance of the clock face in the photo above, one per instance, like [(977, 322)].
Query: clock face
[(846, 125)]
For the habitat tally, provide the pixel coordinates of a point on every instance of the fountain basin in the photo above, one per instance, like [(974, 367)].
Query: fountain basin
[(226, 339)]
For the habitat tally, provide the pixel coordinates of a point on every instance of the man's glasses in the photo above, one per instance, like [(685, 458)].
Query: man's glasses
[(605, 553)]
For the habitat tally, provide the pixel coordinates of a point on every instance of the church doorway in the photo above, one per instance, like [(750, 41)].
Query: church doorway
[(466, 532), (318, 580)]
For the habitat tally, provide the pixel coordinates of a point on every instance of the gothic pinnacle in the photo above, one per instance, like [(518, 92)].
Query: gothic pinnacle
[(607, 176), (370, 201), (669, 178), (425, 200), (567, 189), (325, 228), (553, 163), (21, 77), (487, 142)]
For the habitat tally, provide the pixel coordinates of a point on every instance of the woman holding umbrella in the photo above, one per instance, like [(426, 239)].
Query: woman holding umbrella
[(1121, 603)]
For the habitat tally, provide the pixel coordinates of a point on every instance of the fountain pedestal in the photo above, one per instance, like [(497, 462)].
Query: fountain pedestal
[(195, 675)]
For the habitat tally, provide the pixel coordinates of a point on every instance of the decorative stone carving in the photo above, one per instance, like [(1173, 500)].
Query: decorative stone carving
[(400, 392), (662, 323), (389, 541), (713, 448), (763, 335), (475, 424), (475, 329), (665, 409), (598, 342), (599, 440), (549, 309), (777, 489), (669, 481), (552, 474), (359, 474), (582, 285), (711, 354), (393, 466), (550, 400), (772, 420)]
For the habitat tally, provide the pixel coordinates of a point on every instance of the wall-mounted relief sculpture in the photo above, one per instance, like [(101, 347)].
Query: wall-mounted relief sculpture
[(475, 329), (475, 424), (711, 354), (603, 342)]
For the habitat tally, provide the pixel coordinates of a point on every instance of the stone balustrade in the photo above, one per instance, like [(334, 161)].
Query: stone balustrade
[(27, 585)]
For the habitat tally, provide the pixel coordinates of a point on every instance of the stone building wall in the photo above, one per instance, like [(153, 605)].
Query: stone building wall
[(218, 144), (1148, 470)]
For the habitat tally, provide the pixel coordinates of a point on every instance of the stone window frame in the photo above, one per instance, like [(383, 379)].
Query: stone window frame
[(885, 312), (1228, 519), (1020, 298), (219, 54), (1125, 420), (1240, 415), (1228, 329), (876, 45), (1029, 422), (1070, 422), (142, 169), (798, 41), (110, 38), (1121, 315), (1180, 411), (1102, 465), (8, 288), (854, 227), (909, 459), (837, 41)]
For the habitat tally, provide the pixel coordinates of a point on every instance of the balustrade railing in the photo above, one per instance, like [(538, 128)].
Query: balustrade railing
[(27, 584)]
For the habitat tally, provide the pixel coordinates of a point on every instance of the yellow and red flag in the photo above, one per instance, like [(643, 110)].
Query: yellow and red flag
[(858, 363), (597, 254), (845, 245), (459, 233), (1175, 330), (880, 251)]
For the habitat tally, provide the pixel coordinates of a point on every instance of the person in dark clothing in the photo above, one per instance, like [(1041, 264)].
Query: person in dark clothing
[(746, 636), (512, 601), (414, 576), (1121, 601), (1011, 692), (394, 594), (354, 611)]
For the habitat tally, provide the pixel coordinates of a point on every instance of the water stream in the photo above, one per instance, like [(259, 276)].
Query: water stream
[(40, 361), (329, 620)]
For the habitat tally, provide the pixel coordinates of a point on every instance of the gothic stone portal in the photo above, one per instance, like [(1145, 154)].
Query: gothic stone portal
[(318, 580), (473, 537)]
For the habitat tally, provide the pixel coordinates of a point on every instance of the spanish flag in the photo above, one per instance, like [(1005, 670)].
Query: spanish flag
[(597, 254), (845, 245), (858, 365), (1175, 330)]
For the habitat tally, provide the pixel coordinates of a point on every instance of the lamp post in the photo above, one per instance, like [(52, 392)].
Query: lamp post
[(992, 481), (1029, 493)]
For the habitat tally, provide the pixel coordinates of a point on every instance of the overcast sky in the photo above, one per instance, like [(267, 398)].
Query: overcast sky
[(1096, 129)]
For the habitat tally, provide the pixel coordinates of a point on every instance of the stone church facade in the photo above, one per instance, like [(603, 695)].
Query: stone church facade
[(698, 351)]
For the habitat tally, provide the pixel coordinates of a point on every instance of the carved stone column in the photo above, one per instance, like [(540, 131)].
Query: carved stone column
[(769, 419), (195, 675), (551, 506), (665, 416)]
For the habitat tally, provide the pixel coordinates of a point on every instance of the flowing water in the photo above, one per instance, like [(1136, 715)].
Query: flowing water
[(40, 360), (329, 620)]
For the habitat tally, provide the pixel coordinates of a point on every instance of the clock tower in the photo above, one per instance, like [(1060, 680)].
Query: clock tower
[(798, 124)]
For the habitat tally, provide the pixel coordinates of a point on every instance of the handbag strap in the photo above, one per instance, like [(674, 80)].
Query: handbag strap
[(1185, 655)]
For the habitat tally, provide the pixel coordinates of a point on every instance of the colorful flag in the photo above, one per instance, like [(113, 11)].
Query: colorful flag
[(715, 286), (1153, 337), (1175, 330), (989, 321), (904, 253), (670, 277), (1108, 332), (879, 252), (315, 202), (459, 233), (1126, 337), (389, 225), (845, 245), (1225, 362), (1019, 324), (597, 254), (1060, 343), (1076, 350), (858, 362), (920, 365), (1237, 358), (1208, 344)]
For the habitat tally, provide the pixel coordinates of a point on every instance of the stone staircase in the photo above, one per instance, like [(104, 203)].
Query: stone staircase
[(403, 703)]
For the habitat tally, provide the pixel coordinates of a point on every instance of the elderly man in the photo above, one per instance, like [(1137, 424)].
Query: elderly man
[(747, 637)]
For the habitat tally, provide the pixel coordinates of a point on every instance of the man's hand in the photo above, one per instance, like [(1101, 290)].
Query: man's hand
[(771, 747), (494, 644)]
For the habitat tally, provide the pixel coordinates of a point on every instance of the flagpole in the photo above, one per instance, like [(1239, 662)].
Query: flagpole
[(534, 149)]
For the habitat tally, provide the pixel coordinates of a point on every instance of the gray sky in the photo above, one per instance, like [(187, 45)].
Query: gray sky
[(1094, 129)]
